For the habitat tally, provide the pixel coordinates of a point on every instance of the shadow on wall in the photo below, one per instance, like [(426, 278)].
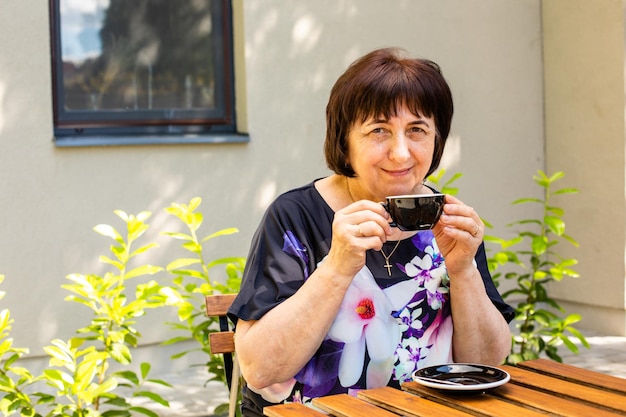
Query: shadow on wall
[(292, 55)]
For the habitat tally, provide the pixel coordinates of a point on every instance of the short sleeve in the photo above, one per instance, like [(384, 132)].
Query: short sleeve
[(481, 260), (292, 237)]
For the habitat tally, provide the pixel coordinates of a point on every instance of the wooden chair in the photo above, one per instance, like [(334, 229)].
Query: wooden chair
[(223, 341)]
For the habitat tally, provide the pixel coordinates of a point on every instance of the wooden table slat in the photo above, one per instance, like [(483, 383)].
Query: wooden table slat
[(567, 389), (546, 402), (537, 388), (407, 404), (291, 410), (344, 405), (473, 403), (573, 373)]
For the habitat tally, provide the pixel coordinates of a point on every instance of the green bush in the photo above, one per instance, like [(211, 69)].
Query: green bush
[(79, 371), (79, 368), (533, 262), (535, 266)]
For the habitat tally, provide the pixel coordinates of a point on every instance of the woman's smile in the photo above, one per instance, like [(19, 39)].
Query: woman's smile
[(398, 172)]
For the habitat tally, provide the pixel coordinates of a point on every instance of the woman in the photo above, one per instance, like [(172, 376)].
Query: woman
[(318, 312)]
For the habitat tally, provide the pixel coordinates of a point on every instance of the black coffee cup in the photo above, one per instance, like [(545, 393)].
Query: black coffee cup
[(414, 212)]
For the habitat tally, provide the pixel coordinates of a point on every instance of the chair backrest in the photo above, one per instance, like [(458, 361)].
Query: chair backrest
[(222, 341)]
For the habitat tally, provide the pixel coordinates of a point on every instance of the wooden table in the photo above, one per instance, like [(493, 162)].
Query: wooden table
[(537, 388)]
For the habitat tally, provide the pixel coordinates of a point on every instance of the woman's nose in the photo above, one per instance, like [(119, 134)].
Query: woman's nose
[(399, 148)]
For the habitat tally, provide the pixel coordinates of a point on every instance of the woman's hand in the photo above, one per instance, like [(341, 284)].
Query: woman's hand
[(459, 233), (361, 226)]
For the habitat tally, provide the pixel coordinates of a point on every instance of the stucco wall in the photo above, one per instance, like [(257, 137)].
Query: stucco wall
[(584, 90), (291, 53)]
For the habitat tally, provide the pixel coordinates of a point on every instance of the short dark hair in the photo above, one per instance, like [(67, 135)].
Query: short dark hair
[(378, 84)]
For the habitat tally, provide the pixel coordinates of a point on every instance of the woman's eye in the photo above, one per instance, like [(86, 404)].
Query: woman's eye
[(379, 133)]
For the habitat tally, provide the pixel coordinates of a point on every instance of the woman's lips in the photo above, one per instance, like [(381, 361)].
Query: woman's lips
[(397, 172)]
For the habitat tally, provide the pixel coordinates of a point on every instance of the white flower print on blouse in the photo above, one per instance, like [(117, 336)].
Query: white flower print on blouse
[(364, 321)]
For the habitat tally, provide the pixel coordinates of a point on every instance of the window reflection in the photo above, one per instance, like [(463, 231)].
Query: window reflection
[(125, 55)]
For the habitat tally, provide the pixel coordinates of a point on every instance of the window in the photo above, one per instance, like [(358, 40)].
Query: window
[(142, 71)]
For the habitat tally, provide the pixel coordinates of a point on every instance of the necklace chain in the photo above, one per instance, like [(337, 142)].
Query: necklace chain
[(387, 264), (387, 257)]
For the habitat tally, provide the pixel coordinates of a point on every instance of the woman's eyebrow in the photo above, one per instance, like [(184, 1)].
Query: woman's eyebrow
[(419, 120)]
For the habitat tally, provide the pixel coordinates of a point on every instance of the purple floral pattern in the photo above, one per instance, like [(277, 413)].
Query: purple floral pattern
[(379, 335), (293, 246)]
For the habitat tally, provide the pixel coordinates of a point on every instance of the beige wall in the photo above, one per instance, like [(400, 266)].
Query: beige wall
[(585, 138), (290, 54)]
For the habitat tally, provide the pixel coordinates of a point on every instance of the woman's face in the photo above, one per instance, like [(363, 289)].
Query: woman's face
[(391, 156)]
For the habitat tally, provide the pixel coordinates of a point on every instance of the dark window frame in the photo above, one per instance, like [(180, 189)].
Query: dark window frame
[(169, 126)]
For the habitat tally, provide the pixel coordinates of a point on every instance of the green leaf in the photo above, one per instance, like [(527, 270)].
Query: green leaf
[(107, 260), (180, 236), (143, 216), (172, 296), (557, 175), (509, 243), (579, 336), (145, 411), (58, 379), (145, 369), (571, 346), (514, 358), (108, 231), (222, 232), (116, 413), (566, 191), (117, 401), (144, 249), (527, 200), (194, 203), (120, 353), (570, 240), (455, 177), (185, 310), (160, 382), (555, 224), (181, 262), (501, 258), (122, 215), (189, 273), (85, 374), (571, 319), (222, 261), (60, 353), (181, 354), (153, 396), (8, 362), (107, 386), (556, 211), (435, 177), (128, 375), (221, 409), (136, 228), (193, 247), (143, 270), (568, 262), (539, 245), (450, 190), (175, 340)]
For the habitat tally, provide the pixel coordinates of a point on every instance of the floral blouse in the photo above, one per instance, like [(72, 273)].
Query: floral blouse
[(387, 326)]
